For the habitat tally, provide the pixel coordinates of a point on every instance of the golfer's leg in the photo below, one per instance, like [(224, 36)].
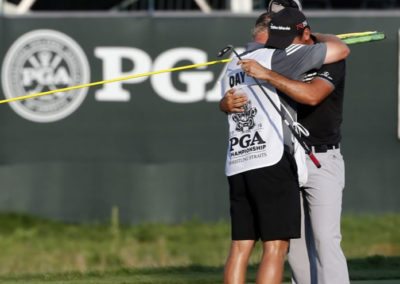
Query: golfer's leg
[(325, 207), (301, 255), (331, 262), (272, 263), (236, 265)]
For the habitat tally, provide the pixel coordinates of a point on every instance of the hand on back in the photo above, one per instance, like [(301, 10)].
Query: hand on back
[(232, 103)]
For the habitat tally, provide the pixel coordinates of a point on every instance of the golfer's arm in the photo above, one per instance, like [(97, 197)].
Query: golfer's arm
[(311, 93), (336, 49)]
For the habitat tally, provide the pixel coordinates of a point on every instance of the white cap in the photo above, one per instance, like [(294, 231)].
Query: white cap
[(278, 5)]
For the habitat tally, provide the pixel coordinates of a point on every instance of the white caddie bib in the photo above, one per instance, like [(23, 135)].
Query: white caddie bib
[(255, 135)]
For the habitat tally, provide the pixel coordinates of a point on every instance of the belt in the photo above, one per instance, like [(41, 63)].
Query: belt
[(325, 148)]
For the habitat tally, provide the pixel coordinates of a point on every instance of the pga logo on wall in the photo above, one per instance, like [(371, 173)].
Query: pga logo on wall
[(40, 61), (45, 60)]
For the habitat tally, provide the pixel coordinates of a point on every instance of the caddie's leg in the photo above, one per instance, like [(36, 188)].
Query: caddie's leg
[(272, 263), (324, 196), (236, 265)]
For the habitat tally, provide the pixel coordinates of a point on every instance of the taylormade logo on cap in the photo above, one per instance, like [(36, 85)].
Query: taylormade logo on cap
[(300, 26), (280, 28)]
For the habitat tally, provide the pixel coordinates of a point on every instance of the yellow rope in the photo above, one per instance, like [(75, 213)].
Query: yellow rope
[(342, 36), (113, 80)]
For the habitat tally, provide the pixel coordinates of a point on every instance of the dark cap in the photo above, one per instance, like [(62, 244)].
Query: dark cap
[(284, 27)]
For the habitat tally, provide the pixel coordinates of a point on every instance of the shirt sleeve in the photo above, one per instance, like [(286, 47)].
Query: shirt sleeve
[(297, 59), (333, 73)]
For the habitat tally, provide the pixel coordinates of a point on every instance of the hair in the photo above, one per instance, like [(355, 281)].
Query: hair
[(262, 23)]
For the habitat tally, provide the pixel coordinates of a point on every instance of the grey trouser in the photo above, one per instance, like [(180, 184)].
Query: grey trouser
[(317, 257)]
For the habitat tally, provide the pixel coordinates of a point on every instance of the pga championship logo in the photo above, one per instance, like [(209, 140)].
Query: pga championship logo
[(40, 61), (245, 120)]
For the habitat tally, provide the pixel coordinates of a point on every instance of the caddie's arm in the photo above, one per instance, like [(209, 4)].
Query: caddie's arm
[(336, 49), (311, 93)]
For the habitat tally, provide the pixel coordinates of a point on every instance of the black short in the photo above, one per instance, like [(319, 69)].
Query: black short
[(265, 203)]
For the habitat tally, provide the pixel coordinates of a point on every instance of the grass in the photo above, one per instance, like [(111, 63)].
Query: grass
[(372, 268), (35, 250), (368, 235)]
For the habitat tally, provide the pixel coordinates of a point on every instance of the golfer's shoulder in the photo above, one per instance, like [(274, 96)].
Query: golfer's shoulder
[(297, 59), (298, 53), (291, 54), (299, 50)]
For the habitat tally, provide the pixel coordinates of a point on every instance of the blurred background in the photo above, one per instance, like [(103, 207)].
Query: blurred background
[(195, 5), (131, 174), (155, 146)]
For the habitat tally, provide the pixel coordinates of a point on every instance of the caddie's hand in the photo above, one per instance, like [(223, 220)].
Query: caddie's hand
[(232, 103), (253, 68)]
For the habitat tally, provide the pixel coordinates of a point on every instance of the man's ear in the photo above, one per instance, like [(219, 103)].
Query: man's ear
[(306, 37)]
